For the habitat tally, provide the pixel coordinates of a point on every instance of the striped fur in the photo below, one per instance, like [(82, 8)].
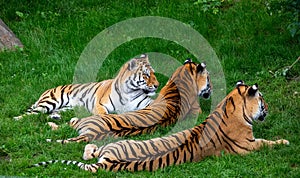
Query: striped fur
[(227, 129), (129, 91), (177, 99)]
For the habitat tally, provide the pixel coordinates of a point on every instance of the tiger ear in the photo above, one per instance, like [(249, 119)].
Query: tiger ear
[(145, 56), (187, 60), (253, 90), (240, 82), (132, 64), (201, 67)]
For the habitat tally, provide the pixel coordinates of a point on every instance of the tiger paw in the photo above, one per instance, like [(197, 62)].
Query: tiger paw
[(89, 151), (55, 116), (18, 117), (282, 141), (48, 140), (73, 121), (53, 125)]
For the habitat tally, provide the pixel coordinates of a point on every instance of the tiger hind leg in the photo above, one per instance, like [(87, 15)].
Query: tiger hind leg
[(54, 113), (81, 138), (73, 122), (90, 151)]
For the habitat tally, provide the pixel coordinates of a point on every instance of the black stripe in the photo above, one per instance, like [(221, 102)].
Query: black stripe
[(251, 140), (151, 165), (140, 147), (246, 117), (62, 96), (224, 108), (136, 96), (191, 68), (232, 102), (191, 152), (49, 103), (239, 91), (135, 167), (184, 156), (53, 96), (220, 117), (42, 99), (168, 159), (138, 105), (229, 145), (132, 149), (112, 103), (115, 151), (146, 146), (209, 136), (159, 162), (176, 155), (104, 106), (232, 140), (214, 131), (118, 92), (94, 93), (144, 165)]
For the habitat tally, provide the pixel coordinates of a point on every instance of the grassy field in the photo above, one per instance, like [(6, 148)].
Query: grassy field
[(250, 39)]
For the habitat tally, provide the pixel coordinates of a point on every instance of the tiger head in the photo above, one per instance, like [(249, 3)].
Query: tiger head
[(204, 86), (139, 75), (253, 104)]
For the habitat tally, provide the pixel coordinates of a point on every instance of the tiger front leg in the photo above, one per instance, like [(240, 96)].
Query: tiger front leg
[(258, 143), (100, 109), (32, 110), (90, 151)]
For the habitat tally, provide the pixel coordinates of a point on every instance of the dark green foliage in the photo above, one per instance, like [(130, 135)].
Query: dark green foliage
[(290, 9)]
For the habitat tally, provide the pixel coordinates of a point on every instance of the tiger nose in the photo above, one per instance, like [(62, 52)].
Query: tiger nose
[(155, 85)]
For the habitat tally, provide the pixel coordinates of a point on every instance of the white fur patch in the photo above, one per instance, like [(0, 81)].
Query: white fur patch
[(143, 55), (48, 140), (240, 83), (203, 64), (254, 87)]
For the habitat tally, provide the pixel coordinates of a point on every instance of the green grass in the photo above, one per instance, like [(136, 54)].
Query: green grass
[(248, 41)]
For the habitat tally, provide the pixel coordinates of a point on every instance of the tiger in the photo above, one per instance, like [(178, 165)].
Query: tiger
[(176, 100), (130, 90), (227, 130)]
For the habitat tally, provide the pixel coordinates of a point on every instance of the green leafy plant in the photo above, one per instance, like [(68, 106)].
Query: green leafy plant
[(212, 6), (283, 71), (21, 15)]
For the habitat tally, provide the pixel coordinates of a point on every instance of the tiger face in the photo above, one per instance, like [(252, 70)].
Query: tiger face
[(141, 76), (255, 105), (204, 85)]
